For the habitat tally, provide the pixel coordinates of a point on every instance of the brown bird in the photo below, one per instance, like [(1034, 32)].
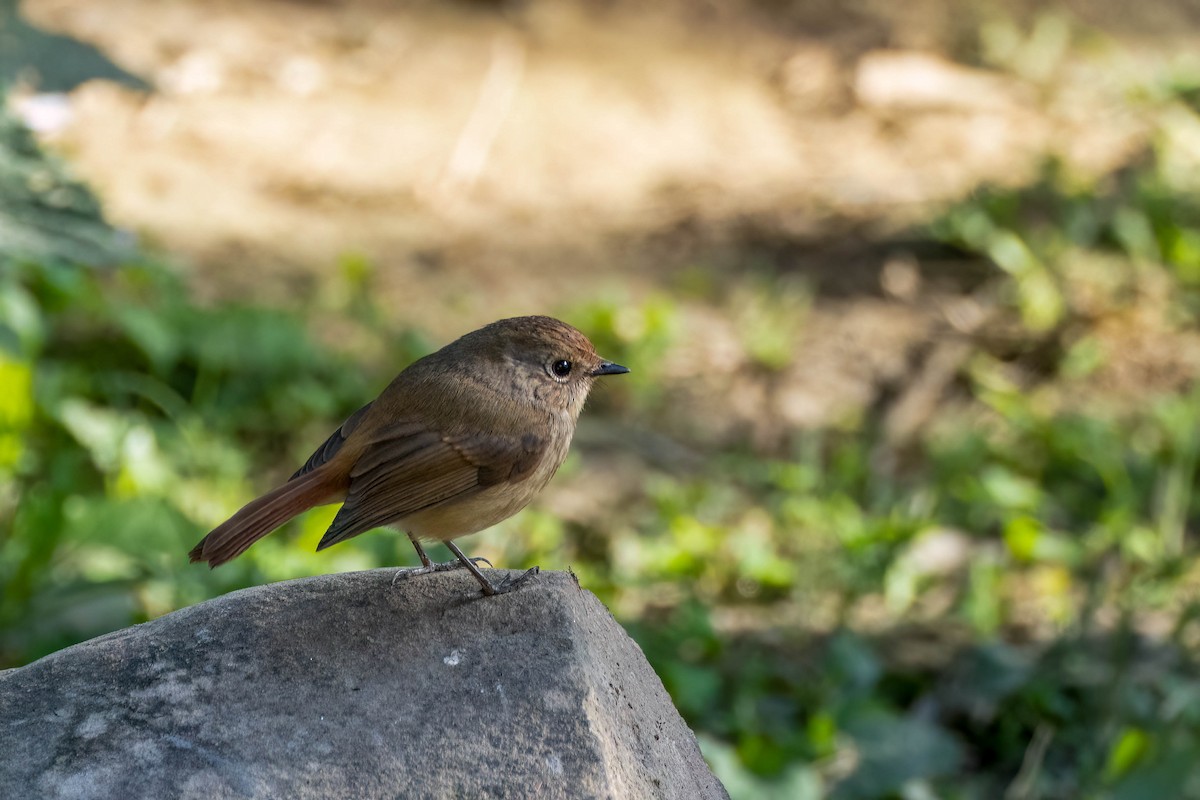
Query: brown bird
[(460, 440)]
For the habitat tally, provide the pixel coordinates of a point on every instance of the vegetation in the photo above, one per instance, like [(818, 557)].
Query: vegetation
[(1001, 603)]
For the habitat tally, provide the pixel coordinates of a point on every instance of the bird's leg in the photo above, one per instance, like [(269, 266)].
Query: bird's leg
[(427, 565), (488, 587)]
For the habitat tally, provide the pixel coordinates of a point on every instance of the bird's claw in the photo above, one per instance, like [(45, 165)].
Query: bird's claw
[(511, 583), (404, 573)]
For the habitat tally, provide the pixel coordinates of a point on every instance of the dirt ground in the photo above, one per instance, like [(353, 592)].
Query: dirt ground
[(501, 158)]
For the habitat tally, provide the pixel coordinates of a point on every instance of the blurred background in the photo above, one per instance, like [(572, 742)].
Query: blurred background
[(900, 497)]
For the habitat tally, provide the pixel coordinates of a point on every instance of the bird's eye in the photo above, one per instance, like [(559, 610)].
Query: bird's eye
[(561, 368)]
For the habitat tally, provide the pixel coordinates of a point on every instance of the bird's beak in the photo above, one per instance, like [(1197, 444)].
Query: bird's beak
[(609, 368)]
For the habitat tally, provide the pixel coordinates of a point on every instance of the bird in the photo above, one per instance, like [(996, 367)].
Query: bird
[(458, 441)]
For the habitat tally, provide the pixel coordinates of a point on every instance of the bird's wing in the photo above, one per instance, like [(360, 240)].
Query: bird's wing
[(408, 468), (334, 443)]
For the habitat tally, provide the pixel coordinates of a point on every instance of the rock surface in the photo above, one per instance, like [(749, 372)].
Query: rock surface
[(345, 686)]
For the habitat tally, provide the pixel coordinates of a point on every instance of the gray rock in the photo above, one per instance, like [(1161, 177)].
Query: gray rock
[(344, 686)]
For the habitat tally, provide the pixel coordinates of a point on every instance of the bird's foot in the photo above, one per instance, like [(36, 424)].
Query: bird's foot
[(404, 573), (510, 583), (485, 585)]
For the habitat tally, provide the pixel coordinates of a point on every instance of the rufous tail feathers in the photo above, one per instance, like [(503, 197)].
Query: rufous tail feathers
[(261, 516)]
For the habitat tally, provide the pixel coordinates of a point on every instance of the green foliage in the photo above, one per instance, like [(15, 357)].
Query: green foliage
[(1058, 511), (46, 216), (48, 61), (131, 421), (1074, 248)]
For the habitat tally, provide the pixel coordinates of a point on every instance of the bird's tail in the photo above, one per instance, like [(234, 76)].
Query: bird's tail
[(261, 516)]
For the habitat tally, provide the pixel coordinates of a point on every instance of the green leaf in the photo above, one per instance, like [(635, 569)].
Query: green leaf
[(1129, 749)]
